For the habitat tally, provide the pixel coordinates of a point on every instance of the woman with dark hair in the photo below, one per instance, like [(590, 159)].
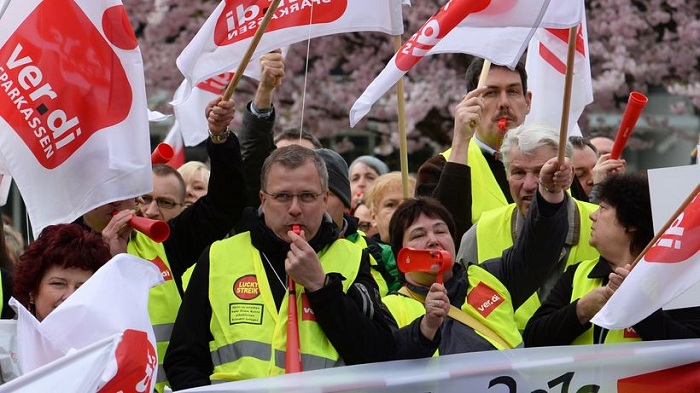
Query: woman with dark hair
[(61, 259), (474, 309), (622, 228)]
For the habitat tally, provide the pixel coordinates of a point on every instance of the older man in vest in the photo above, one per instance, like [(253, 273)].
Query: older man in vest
[(524, 151), (234, 318)]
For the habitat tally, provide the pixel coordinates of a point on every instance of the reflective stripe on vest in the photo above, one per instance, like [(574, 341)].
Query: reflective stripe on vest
[(163, 300), (249, 332), (495, 231), (405, 310), (486, 193), (582, 286)]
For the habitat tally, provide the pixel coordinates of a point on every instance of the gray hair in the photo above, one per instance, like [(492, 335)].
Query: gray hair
[(291, 157), (528, 138)]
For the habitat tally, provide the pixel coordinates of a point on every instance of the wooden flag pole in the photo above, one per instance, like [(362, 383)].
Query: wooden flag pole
[(670, 221), (484, 73), (249, 53), (568, 82), (482, 81), (403, 144)]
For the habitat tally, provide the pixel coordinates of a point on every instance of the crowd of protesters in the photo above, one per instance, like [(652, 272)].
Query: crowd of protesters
[(276, 215)]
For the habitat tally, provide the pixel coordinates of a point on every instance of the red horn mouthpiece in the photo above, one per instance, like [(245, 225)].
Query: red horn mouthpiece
[(162, 154), (156, 230)]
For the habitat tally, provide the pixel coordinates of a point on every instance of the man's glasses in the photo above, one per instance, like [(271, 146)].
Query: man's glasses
[(163, 203), (285, 197)]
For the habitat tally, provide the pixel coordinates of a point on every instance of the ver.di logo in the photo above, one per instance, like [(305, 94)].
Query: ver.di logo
[(240, 19), (63, 82)]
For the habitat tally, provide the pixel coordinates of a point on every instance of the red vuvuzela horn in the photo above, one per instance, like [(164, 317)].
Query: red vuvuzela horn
[(634, 108), (162, 154), (157, 230)]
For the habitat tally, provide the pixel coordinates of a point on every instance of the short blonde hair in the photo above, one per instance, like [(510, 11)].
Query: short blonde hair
[(191, 168), (385, 183)]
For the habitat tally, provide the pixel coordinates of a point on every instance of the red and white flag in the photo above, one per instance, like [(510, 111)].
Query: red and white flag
[(73, 117), (174, 139), (669, 268), (93, 313), (546, 71), (226, 35), (497, 31), (189, 109), (91, 369)]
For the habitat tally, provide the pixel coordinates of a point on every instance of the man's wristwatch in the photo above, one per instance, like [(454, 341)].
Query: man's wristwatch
[(219, 137)]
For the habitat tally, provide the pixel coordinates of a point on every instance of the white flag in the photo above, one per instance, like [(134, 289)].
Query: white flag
[(669, 268), (499, 32), (189, 106), (113, 300), (73, 118), (546, 71), (226, 35), (91, 369)]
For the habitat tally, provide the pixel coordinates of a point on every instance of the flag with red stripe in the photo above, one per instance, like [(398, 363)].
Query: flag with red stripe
[(546, 71)]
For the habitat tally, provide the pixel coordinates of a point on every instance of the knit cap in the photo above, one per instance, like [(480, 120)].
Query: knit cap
[(338, 181)]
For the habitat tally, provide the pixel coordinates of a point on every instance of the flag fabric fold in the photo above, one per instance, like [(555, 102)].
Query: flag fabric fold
[(189, 106), (92, 313), (546, 72), (226, 35), (669, 268), (497, 31), (73, 117)]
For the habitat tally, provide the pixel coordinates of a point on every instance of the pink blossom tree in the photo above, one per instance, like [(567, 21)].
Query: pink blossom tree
[(634, 45)]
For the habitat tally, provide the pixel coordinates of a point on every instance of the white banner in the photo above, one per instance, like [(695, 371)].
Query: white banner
[(640, 367), (226, 35), (73, 117)]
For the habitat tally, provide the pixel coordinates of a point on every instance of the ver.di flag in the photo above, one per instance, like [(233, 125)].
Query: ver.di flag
[(73, 118), (546, 71), (498, 31), (189, 106), (90, 314), (226, 35), (91, 369), (669, 268)]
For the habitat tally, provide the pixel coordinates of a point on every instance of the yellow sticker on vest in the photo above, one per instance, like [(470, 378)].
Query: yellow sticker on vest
[(245, 313)]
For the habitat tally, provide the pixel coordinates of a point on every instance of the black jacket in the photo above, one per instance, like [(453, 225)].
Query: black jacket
[(355, 323), (556, 322)]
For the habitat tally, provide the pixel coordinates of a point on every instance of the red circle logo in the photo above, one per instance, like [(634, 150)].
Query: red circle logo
[(246, 287)]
